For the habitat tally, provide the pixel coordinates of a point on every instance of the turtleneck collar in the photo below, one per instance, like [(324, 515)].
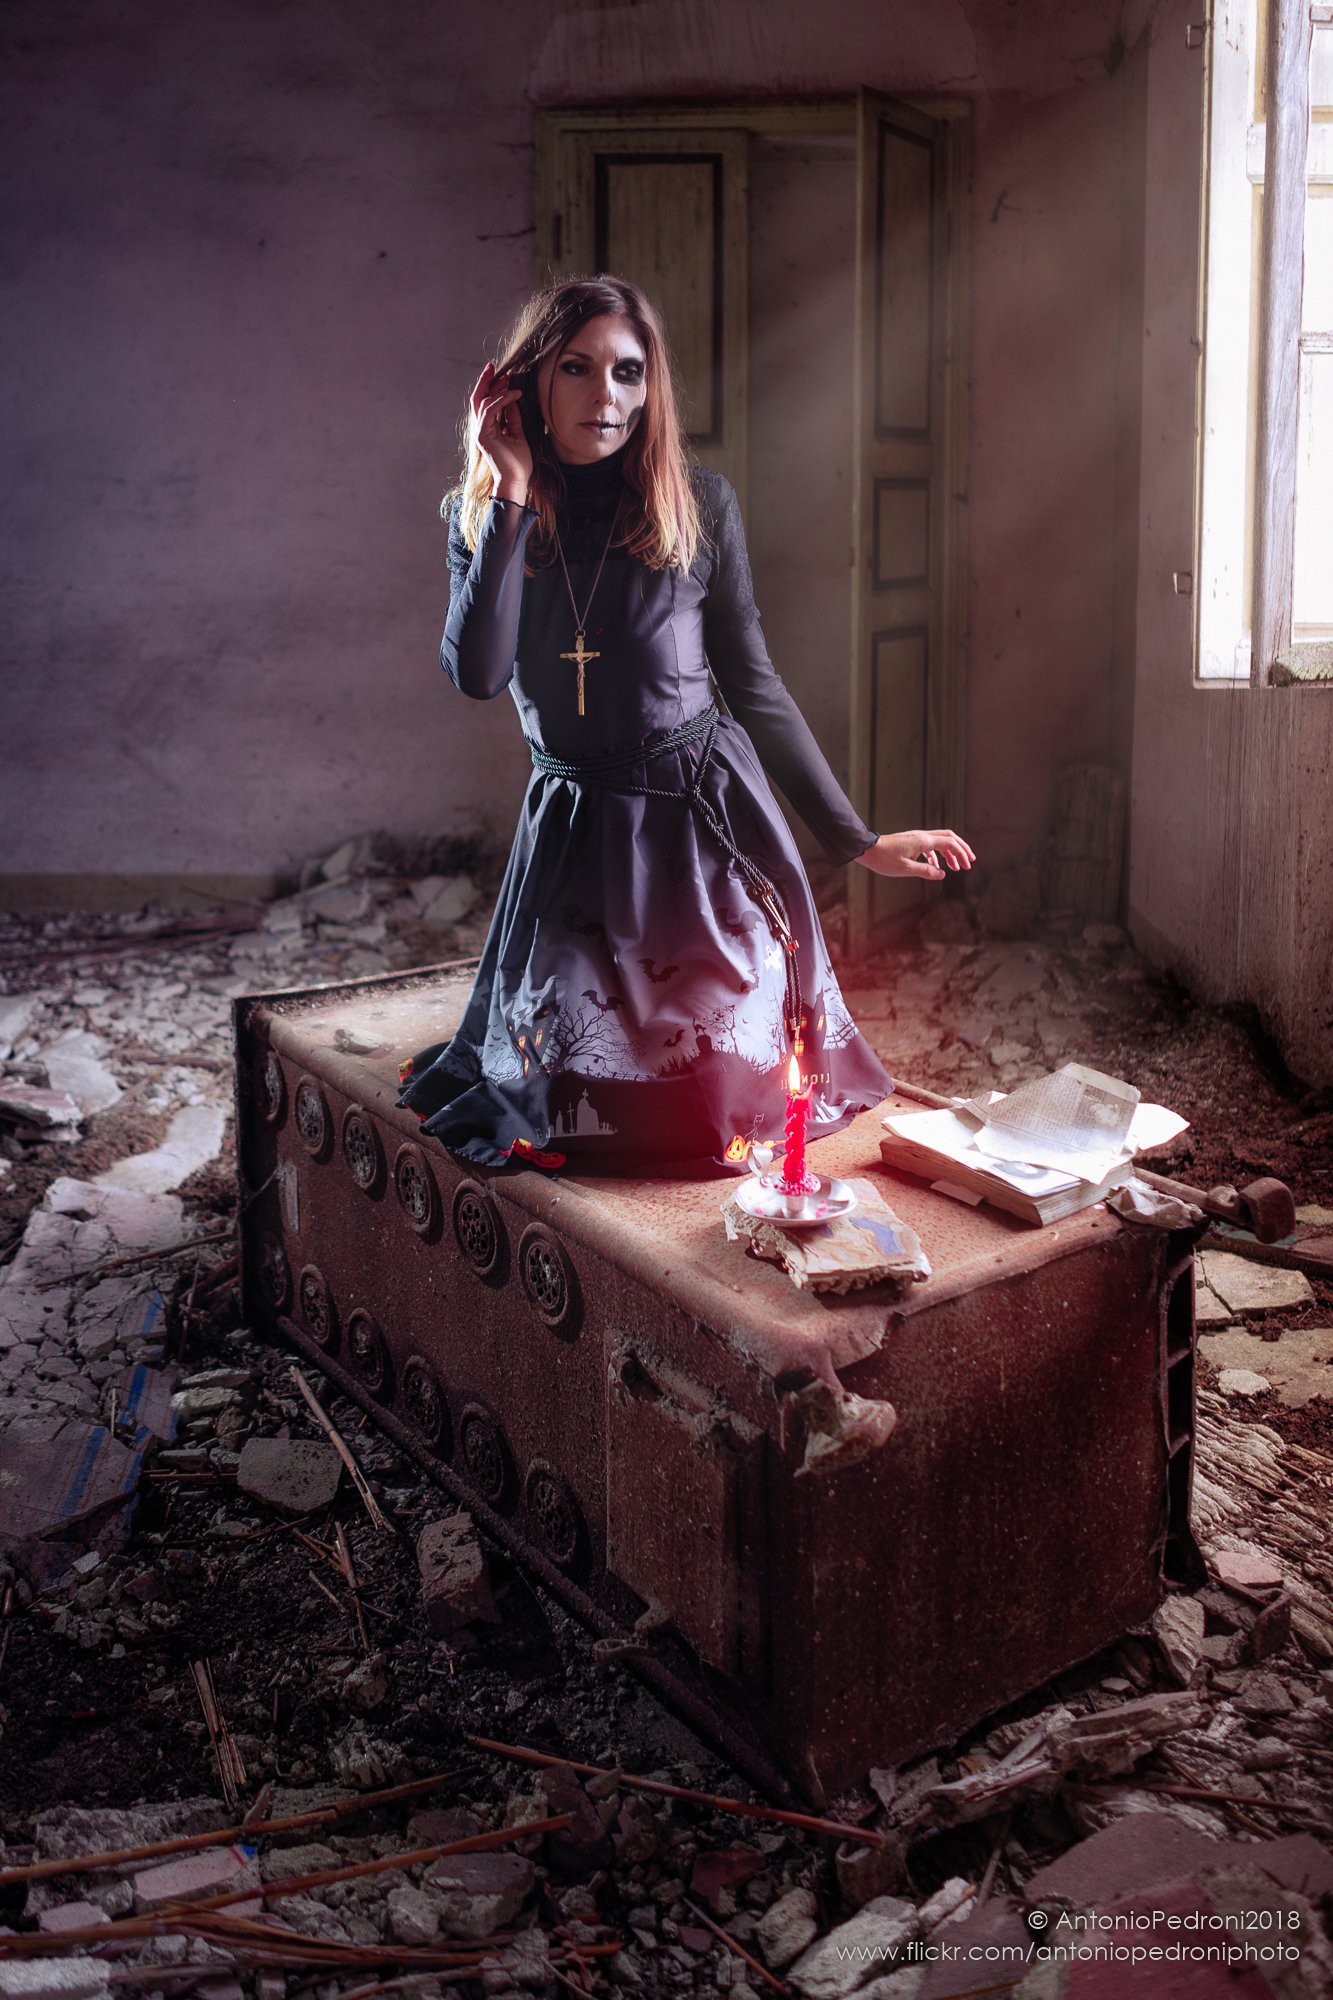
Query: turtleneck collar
[(586, 485)]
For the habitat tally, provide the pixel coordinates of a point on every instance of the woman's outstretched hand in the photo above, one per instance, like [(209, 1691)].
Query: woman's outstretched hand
[(497, 432), (927, 855)]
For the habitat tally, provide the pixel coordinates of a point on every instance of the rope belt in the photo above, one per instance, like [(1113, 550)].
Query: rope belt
[(610, 769)]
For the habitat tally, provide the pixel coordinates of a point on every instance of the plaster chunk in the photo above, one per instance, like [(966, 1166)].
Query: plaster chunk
[(1242, 1382)]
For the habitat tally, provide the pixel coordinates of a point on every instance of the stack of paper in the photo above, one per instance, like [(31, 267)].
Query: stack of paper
[(1050, 1147)]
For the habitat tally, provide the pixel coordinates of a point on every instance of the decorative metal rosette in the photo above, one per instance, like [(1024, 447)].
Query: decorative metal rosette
[(363, 1150), (482, 1239), (550, 1281), (310, 1113), (417, 1193)]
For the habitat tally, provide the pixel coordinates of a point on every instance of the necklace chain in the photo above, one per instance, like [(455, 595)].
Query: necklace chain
[(581, 656), (581, 618)]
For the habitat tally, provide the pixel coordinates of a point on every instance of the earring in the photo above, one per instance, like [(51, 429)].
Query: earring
[(546, 430)]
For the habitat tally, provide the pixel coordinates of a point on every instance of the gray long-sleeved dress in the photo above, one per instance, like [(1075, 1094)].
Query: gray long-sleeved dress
[(632, 999)]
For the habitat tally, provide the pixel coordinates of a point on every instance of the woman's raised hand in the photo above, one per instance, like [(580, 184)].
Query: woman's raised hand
[(920, 853), (497, 431)]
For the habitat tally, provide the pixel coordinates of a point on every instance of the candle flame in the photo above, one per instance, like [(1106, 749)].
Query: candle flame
[(793, 1076)]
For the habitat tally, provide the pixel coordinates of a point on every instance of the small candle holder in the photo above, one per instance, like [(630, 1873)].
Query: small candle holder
[(765, 1196)]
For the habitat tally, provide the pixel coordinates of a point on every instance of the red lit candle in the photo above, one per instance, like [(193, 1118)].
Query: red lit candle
[(796, 1177)]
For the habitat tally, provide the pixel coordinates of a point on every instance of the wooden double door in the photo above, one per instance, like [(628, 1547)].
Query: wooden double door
[(810, 263)]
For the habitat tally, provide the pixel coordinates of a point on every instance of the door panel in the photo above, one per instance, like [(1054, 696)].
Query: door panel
[(900, 483), (666, 208)]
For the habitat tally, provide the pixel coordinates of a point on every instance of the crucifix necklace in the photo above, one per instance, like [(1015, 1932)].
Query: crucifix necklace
[(581, 655)]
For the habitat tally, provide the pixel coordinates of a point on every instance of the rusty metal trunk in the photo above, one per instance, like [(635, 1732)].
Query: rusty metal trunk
[(625, 1399)]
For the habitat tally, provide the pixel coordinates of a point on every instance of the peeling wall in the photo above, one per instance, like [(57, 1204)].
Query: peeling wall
[(1232, 873), (253, 255)]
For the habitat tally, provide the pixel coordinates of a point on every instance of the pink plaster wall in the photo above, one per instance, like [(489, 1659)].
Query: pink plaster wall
[(1232, 875), (253, 255)]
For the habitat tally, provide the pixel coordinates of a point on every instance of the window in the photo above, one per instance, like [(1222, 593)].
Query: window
[(1267, 429)]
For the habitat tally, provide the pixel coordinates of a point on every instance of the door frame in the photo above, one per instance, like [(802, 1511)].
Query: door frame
[(945, 772)]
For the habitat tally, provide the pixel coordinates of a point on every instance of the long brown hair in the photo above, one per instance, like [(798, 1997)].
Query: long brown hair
[(662, 528)]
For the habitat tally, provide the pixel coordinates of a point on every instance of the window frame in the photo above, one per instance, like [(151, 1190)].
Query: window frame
[(1253, 354)]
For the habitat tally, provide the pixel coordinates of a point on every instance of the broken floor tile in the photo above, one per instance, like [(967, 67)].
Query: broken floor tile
[(193, 1138), (1299, 1365), (1254, 1288), (1249, 1571), (144, 1397), (210, 1872), (53, 1482), (1209, 1310), (70, 1917), (295, 1474)]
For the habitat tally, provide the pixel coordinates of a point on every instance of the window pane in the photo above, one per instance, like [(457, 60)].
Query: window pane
[(1321, 74), (1312, 602), (1317, 309)]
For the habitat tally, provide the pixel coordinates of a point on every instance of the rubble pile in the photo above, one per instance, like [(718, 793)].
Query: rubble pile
[(269, 1728)]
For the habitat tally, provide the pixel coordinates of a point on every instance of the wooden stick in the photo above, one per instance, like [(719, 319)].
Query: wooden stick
[(292, 1885), (811, 1823), (348, 1569), (231, 1770), (734, 1944), (183, 1843), (326, 1424)]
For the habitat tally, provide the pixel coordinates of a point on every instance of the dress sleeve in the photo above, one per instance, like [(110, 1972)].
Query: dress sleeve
[(485, 598), (758, 698)]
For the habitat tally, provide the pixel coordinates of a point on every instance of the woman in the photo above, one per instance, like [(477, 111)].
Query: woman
[(654, 957)]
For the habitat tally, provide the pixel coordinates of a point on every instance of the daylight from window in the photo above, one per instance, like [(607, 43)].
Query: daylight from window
[(1224, 572)]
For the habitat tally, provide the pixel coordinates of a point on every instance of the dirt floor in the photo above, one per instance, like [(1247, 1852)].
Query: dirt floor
[(326, 1687)]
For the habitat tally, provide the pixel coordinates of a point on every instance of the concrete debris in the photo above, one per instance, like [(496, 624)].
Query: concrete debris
[(193, 1138), (476, 1894), (1246, 1287), (297, 1475), (455, 1587), (18, 1011), (443, 901), (1105, 1744), (786, 1928), (53, 1979), (73, 1063), (850, 1955), (1178, 1627), (112, 1623), (29, 1104)]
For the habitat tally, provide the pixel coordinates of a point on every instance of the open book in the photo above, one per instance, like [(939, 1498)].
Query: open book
[(1053, 1146)]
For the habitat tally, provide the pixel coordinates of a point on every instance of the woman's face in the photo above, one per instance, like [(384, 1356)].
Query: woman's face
[(592, 391)]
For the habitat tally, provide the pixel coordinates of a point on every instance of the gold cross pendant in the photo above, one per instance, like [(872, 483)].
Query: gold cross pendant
[(581, 657)]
